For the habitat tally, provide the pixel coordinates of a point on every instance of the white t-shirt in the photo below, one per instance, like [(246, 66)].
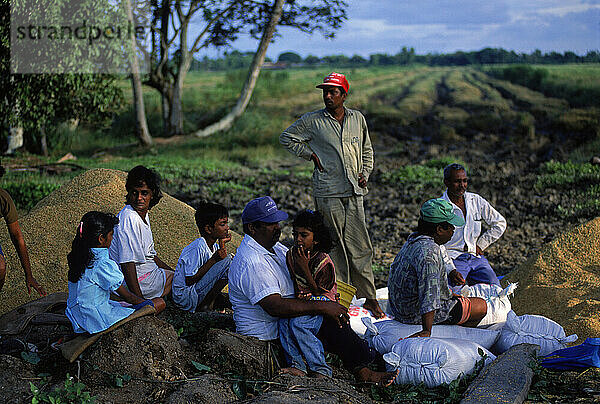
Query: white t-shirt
[(256, 273), (133, 242), (193, 256)]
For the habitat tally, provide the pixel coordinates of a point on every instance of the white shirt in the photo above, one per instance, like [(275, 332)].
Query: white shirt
[(478, 210), (254, 274), (193, 256), (133, 242)]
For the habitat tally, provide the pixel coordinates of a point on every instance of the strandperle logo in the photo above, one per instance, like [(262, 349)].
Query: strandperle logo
[(79, 36), (83, 31)]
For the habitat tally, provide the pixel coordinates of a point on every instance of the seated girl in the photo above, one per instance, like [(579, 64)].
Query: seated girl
[(313, 274), (93, 276)]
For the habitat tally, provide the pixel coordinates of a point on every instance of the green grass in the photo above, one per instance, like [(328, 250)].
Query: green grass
[(580, 181)]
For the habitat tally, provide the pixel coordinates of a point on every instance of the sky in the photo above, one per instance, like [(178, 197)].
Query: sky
[(445, 26)]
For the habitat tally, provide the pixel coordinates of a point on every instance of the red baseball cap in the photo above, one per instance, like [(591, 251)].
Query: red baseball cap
[(336, 80)]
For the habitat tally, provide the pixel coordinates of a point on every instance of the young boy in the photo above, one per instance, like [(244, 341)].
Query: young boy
[(203, 265)]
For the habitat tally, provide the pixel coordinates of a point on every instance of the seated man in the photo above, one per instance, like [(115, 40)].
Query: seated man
[(132, 247), (418, 284), (261, 290), (466, 246)]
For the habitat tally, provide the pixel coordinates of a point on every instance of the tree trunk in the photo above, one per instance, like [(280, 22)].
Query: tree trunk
[(43, 141), (257, 62), (141, 125)]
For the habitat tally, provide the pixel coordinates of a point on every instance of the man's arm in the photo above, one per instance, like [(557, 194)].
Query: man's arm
[(495, 221), (295, 139), (277, 306), (367, 152), (19, 242), (427, 321)]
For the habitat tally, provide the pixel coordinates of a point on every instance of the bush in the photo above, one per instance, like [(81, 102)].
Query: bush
[(26, 194)]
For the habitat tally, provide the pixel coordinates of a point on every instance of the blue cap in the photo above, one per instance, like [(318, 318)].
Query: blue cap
[(262, 209)]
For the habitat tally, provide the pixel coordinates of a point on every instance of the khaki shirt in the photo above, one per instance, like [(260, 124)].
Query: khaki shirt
[(344, 150)]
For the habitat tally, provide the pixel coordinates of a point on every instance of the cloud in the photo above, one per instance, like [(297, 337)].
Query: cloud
[(385, 26)]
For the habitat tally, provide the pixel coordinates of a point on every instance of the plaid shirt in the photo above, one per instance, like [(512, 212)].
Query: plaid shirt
[(418, 282)]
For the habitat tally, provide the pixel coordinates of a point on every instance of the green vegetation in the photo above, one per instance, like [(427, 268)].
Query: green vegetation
[(71, 392), (581, 181), (422, 176)]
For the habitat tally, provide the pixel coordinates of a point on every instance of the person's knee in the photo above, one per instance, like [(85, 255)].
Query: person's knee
[(159, 304), (478, 308)]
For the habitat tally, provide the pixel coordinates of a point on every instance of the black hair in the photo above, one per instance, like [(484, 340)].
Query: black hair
[(314, 222), (92, 225), (141, 175), (208, 213), (429, 229), (453, 167), (2, 170)]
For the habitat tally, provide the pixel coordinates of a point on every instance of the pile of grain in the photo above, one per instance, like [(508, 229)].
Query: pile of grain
[(49, 229), (562, 282)]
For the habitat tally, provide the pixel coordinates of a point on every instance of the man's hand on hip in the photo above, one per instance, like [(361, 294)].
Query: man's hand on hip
[(317, 162), (456, 278), (362, 181)]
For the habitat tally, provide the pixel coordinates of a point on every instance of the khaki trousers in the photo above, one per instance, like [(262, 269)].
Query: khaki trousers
[(352, 252)]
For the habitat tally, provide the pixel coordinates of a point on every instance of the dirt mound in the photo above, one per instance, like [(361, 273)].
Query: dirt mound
[(144, 348), (50, 227), (562, 281)]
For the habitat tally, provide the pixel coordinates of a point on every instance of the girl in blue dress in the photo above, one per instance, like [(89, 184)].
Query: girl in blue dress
[(94, 279)]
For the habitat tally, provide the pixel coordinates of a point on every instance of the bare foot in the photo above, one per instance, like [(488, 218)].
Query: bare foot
[(318, 375), (373, 306), (380, 378), (292, 371)]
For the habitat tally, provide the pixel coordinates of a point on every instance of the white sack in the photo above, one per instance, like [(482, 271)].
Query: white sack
[(532, 329), (357, 313), (382, 335), (434, 361), (381, 295), (497, 301)]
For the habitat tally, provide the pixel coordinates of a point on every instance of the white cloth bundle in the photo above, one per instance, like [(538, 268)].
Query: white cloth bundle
[(382, 335), (434, 361), (532, 329)]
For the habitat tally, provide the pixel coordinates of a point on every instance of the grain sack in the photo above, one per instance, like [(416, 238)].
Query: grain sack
[(382, 335), (563, 281), (434, 361), (357, 313), (497, 301), (532, 329), (49, 229)]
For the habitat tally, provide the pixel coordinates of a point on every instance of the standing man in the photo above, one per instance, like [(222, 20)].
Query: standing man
[(336, 140), (466, 246)]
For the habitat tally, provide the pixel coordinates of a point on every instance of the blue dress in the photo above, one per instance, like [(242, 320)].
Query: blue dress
[(89, 306)]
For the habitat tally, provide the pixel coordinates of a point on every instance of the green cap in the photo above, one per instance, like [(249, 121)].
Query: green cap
[(439, 211)]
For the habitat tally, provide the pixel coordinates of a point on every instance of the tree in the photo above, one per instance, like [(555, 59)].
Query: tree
[(257, 62), (221, 23), (311, 60), (141, 125), (289, 57), (39, 103)]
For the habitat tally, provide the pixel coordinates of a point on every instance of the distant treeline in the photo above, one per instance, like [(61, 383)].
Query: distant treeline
[(407, 56)]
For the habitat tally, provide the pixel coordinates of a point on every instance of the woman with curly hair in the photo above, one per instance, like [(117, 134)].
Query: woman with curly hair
[(132, 248)]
